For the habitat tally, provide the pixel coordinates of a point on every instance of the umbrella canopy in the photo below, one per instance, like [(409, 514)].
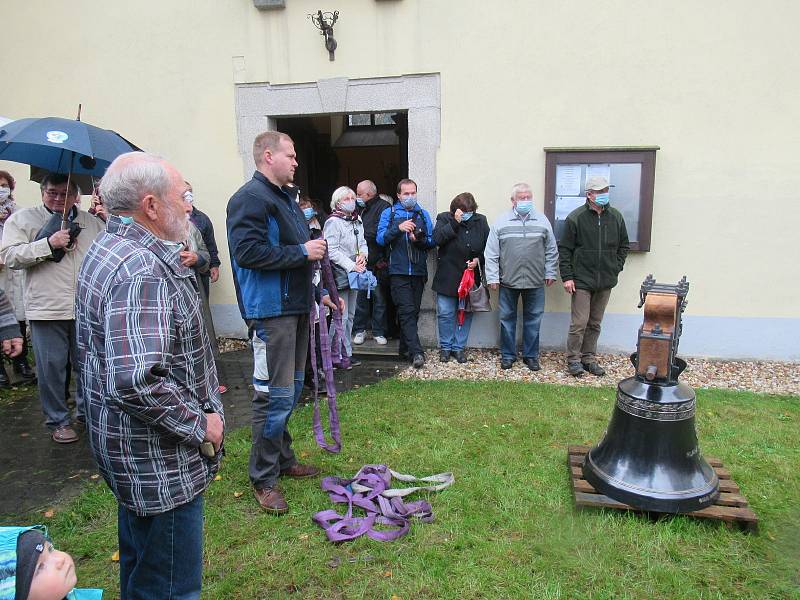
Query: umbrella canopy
[(84, 182), (62, 145)]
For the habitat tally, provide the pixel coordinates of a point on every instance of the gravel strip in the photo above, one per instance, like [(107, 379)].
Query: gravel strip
[(231, 345), (484, 365)]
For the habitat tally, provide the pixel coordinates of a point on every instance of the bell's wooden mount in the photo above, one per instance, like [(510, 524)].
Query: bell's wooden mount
[(660, 320), (731, 506)]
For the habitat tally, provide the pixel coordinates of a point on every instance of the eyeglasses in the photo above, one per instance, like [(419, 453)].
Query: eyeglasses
[(53, 194)]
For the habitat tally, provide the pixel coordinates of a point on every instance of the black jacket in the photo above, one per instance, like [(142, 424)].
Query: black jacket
[(370, 216), (458, 243), (206, 227), (593, 248)]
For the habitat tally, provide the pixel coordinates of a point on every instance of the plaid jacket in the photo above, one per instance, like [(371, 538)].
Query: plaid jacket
[(146, 367)]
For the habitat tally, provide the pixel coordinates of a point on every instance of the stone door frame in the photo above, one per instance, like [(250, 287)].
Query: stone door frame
[(258, 105)]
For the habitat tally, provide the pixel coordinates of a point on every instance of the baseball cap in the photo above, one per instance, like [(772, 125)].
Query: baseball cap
[(597, 183)]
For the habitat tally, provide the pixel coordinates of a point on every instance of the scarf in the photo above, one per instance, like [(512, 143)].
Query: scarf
[(346, 216)]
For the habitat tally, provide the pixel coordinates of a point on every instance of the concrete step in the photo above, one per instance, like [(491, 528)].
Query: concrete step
[(370, 348)]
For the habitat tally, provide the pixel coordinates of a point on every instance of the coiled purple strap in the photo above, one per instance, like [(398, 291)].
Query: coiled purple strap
[(371, 491)]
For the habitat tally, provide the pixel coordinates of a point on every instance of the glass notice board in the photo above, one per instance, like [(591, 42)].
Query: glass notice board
[(632, 192)]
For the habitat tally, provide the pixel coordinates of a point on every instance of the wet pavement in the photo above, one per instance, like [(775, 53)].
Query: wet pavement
[(36, 473)]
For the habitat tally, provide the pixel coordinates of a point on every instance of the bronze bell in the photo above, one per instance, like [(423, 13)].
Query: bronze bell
[(649, 457)]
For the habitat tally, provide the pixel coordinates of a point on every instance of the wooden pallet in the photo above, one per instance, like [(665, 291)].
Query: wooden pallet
[(731, 506)]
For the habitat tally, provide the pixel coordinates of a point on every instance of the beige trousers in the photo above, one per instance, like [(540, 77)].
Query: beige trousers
[(584, 328)]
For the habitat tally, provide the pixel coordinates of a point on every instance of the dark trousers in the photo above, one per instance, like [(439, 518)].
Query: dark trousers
[(204, 279), (407, 296), (54, 346), (375, 304), (161, 556), (280, 347), (23, 329)]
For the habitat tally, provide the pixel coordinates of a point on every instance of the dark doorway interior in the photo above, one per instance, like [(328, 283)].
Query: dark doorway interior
[(335, 150)]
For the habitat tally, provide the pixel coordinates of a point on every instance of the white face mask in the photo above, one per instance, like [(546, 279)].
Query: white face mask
[(5, 192)]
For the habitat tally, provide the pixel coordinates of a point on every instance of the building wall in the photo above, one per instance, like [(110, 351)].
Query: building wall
[(712, 84)]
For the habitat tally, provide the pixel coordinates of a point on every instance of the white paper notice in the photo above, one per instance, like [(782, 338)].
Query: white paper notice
[(566, 204), (568, 180), (599, 171)]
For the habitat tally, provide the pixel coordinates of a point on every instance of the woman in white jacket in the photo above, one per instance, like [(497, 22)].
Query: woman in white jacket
[(347, 249)]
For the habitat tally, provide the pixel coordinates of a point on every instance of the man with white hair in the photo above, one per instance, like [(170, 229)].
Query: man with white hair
[(154, 414), (521, 258), (593, 249), (34, 241)]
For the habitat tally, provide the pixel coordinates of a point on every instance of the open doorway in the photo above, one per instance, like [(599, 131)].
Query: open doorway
[(343, 149)]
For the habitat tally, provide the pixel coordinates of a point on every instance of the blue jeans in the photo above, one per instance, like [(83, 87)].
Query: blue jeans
[(451, 336), (161, 557), (532, 310)]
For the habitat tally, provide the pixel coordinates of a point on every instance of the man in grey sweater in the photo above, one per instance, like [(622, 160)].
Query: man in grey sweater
[(521, 258)]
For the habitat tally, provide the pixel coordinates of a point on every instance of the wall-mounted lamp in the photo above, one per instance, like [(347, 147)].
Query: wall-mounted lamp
[(324, 21)]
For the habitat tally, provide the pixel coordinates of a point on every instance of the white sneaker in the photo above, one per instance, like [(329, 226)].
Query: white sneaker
[(359, 337), (380, 340)]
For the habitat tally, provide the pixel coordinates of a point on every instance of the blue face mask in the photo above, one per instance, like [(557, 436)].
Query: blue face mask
[(126, 220), (309, 213), (408, 202), (601, 199), (360, 202), (348, 206), (466, 216), (524, 207)]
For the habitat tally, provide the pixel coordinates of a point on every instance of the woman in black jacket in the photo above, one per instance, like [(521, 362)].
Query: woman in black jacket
[(461, 236)]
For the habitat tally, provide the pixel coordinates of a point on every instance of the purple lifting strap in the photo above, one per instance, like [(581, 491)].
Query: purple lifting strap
[(330, 352), (370, 490)]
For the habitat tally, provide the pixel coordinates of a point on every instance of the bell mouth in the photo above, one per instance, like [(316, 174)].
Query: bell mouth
[(640, 495)]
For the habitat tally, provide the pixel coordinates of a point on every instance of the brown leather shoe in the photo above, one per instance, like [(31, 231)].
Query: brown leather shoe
[(64, 435), (299, 471), (271, 500)]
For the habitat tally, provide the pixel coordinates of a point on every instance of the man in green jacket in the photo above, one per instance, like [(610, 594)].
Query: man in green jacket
[(592, 253)]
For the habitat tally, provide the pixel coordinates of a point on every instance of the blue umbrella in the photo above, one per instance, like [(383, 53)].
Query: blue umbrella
[(62, 145)]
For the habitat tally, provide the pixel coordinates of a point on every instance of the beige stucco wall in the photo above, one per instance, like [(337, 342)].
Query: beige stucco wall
[(713, 84)]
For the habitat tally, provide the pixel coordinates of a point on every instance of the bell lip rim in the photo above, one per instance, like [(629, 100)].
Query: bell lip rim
[(688, 494)]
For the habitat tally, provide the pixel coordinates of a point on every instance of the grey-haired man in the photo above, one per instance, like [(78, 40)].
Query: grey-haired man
[(521, 259), (154, 414), (593, 249), (34, 241)]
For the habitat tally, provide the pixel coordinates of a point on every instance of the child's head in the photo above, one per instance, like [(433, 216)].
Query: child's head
[(40, 572)]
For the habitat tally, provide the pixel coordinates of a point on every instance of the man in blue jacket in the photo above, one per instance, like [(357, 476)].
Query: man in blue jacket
[(272, 256), (406, 230)]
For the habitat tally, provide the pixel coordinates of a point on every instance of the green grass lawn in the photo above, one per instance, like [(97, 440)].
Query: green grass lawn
[(506, 528)]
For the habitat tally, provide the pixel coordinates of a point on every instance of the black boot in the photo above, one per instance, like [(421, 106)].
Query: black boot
[(23, 369), (4, 381), (20, 363)]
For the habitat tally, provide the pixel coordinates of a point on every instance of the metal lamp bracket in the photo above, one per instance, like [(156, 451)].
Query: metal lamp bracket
[(324, 21)]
